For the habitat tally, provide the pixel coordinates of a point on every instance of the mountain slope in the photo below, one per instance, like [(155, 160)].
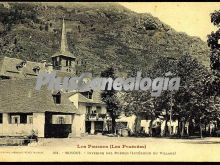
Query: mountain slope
[(104, 34)]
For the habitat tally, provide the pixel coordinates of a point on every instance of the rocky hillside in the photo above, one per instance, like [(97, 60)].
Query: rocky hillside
[(103, 34)]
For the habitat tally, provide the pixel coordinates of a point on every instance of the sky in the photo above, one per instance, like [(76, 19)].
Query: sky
[(191, 18)]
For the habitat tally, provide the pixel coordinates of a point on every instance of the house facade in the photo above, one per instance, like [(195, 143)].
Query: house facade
[(24, 109), (93, 112)]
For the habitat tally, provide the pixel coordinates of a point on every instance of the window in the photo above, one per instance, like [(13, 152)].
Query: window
[(60, 120), (57, 98), (21, 64), (56, 63), (30, 119), (171, 129), (88, 95), (66, 62), (0, 118), (98, 109), (18, 66), (20, 118), (88, 109), (15, 119), (36, 69)]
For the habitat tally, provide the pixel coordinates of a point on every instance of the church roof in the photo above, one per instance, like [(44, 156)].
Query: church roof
[(8, 67), (21, 96), (64, 50), (66, 54)]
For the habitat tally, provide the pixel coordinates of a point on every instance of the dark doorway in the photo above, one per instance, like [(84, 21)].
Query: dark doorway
[(88, 126), (59, 130), (98, 126)]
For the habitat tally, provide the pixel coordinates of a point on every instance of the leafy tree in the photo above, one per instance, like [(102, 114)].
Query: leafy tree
[(139, 103), (111, 98), (214, 44), (163, 102), (191, 102), (213, 81)]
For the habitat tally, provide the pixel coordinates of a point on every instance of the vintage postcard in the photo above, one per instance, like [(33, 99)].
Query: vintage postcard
[(100, 82)]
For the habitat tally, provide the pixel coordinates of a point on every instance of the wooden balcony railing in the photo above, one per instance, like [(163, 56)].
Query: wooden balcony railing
[(95, 117)]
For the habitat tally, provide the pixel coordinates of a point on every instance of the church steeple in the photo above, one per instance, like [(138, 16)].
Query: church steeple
[(64, 50), (63, 59), (64, 46)]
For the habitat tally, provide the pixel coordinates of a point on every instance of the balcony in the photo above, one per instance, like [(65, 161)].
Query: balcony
[(95, 117)]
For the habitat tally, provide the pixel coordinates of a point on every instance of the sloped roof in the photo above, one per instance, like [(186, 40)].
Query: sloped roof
[(66, 53), (64, 50), (8, 67), (21, 96), (96, 98)]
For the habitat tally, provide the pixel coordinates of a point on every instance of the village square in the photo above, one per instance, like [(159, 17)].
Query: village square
[(177, 101)]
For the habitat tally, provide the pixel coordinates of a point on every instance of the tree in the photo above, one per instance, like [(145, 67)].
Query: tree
[(163, 102), (214, 44), (111, 98), (192, 102), (139, 103)]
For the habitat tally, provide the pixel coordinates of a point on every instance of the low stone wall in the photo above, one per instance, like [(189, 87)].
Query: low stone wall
[(15, 129), (14, 141)]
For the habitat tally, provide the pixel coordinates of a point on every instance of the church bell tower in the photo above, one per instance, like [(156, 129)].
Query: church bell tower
[(64, 60)]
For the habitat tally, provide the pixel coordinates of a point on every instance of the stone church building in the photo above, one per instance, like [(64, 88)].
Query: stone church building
[(50, 114)]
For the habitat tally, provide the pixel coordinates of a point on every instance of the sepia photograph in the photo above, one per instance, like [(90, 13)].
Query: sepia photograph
[(109, 81)]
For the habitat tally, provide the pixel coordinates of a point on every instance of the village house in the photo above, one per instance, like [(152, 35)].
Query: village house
[(24, 109), (48, 113), (93, 111), (149, 125)]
